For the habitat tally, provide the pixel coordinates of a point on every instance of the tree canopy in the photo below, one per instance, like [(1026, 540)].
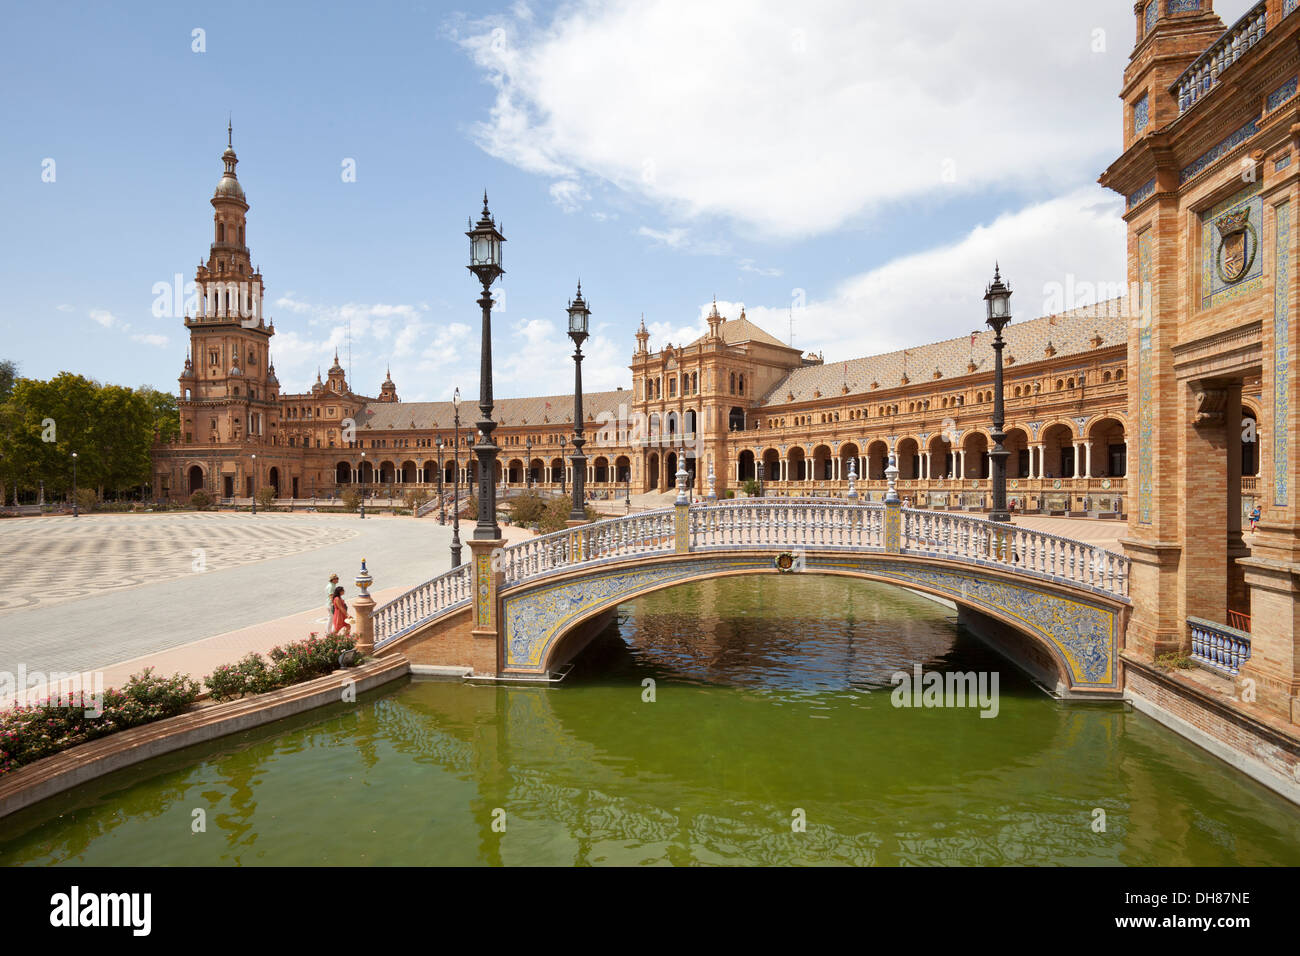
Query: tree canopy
[(110, 427)]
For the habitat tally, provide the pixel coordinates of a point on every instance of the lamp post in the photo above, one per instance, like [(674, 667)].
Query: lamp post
[(254, 483), (564, 445), (75, 513), (579, 315), (528, 468), (455, 483), (442, 505), (485, 262), (998, 298), (361, 474)]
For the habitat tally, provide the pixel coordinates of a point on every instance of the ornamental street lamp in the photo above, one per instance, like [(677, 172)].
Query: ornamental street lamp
[(998, 297), (442, 505), (74, 485), (485, 262), (579, 315), (254, 483), (455, 483), (528, 468), (564, 444), (361, 474)]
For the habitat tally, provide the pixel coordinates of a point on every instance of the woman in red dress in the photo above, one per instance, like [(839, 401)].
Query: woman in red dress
[(339, 623)]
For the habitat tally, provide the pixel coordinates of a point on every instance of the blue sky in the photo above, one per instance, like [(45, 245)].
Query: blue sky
[(857, 166)]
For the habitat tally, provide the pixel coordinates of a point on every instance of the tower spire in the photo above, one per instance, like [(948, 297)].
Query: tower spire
[(230, 131)]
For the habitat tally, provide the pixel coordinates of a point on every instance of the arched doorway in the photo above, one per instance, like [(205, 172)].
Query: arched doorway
[(849, 454), (746, 466), (622, 469), (1058, 452), (195, 479), (975, 450), (273, 479), (821, 470), (1109, 452), (343, 473), (652, 473), (798, 467), (736, 420), (600, 470), (877, 460), (909, 459), (1015, 441), (772, 465), (408, 472)]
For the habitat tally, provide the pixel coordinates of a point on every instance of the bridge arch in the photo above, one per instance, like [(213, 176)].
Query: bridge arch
[(537, 641)]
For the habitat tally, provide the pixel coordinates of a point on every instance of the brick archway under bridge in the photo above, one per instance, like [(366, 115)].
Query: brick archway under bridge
[(1067, 600)]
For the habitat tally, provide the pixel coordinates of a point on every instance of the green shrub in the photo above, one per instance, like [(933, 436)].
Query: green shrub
[(30, 732), (266, 496), (527, 509), (201, 500), (751, 488), (87, 500), (351, 499), (290, 664), (415, 498), (1173, 661)]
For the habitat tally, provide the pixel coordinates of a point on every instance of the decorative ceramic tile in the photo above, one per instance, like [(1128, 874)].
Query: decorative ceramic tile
[(1288, 6), (1083, 634), (1184, 6), (1281, 432), (1143, 193), (1203, 161), (1283, 93), (1231, 261), (1153, 10), (483, 591), (1141, 114)]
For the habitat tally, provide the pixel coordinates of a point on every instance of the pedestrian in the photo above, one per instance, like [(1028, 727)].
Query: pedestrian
[(329, 600), (339, 624), (1254, 519)]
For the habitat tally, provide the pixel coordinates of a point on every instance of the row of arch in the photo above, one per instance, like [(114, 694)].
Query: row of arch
[(1061, 449)]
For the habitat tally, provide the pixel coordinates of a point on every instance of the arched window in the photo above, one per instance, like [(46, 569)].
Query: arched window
[(221, 232), (241, 235), (733, 383)]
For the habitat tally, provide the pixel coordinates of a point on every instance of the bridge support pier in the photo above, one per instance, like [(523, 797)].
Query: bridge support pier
[(364, 607), (487, 578)]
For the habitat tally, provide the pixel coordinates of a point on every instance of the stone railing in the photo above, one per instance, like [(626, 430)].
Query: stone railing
[(408, 611), (1203, 75), (777, 525), (647, 532), (1217, 646)]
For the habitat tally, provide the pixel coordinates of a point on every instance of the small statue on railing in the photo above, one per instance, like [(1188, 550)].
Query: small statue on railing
[(713, 492), (853, 478)]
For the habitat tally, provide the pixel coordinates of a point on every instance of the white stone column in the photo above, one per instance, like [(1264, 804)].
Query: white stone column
[(1087, 459), (929, 465)]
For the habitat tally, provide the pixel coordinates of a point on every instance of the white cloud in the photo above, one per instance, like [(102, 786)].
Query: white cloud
[(105, 318), (569, 195), (1074, 242), (64, 307), (793, 120), (672, 238), (159, 340)]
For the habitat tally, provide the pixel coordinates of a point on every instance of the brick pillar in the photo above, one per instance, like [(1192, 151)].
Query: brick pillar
[(1238, 598), (1203, 463), (487, 632)]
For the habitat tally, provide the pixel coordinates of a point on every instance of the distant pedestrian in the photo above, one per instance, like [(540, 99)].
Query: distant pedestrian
[(1254, 519), (339, 624), (329, 599)]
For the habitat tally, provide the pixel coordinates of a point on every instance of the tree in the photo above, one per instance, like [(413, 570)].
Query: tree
[(8, 375), (166, 414)]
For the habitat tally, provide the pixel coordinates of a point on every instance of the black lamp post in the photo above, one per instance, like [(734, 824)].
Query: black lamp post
[(528, 468), (455, 483), (254, 483), (75, 513), (564, 444), (998, 297), (361, 474), (442, 505), (579, 315), (485, 262)]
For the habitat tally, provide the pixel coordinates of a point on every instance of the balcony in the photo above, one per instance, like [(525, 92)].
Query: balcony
[(1203, 75), (1218, 647)]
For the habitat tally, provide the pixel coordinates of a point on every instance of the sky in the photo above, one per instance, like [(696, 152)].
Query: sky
[(846, 171)]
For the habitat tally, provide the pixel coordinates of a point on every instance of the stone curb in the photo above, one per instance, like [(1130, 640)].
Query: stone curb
[(63, 771)]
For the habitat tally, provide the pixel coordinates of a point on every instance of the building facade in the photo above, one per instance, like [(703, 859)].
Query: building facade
[(1209, 172), (737, 400)]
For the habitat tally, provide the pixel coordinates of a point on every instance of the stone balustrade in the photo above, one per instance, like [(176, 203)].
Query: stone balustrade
[(1203, 75), (1217, 646)]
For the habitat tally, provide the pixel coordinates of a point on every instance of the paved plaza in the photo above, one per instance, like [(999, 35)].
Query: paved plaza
[(86, 592)]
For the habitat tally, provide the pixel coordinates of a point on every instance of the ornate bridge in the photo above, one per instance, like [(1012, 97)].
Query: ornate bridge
[(520, 610)]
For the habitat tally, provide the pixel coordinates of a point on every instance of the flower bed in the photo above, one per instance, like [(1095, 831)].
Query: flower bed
[(29, 732), (289, 664)]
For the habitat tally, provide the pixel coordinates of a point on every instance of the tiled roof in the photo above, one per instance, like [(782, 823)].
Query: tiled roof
[(379, 416), (741, 330), (1069, 333)]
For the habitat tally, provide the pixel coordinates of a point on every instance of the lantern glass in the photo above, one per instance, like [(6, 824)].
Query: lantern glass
[(578, 321)]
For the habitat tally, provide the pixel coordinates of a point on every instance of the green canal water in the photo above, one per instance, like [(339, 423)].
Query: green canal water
[(772, 705)]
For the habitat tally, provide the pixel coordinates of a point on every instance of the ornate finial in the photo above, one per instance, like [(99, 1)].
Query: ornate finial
[(486, 214), (230, 131), (997, 271), (682, 478), (853, 477), (713, 493), (891, 476)]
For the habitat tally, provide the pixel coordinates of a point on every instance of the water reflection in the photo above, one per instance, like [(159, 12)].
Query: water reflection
[(771, 703)]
